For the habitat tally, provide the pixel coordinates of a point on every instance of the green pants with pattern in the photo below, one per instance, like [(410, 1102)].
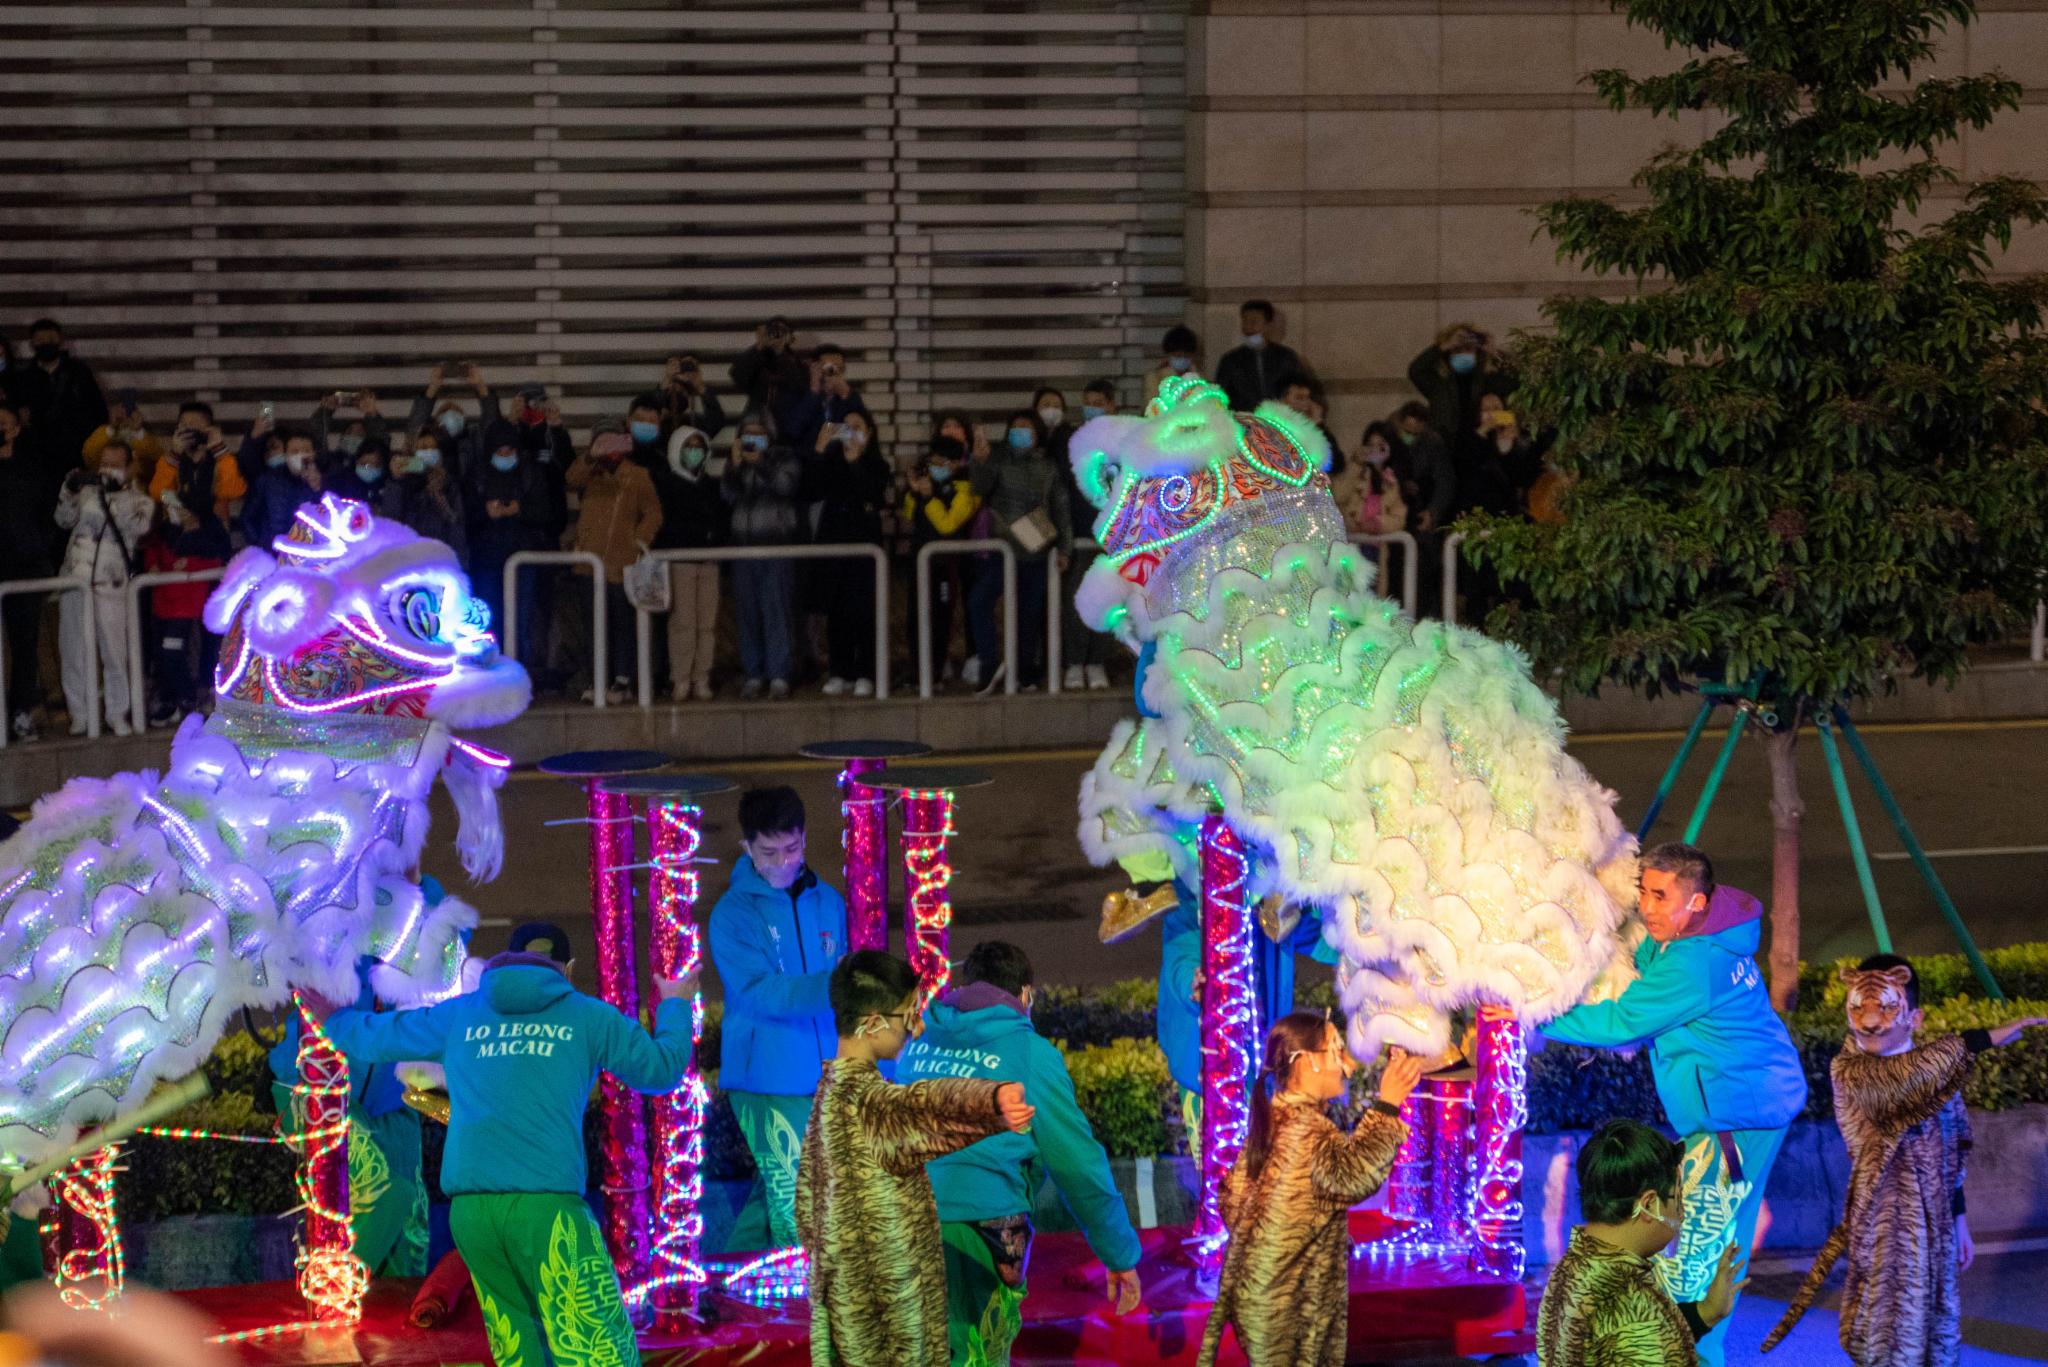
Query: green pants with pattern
[(773, 1127), (985, 1268), (544, 1281)]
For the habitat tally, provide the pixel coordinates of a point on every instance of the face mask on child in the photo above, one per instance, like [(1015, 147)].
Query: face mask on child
[(1022, 439), (369, 474), (942, 474), (505, 461), (1090, 412)]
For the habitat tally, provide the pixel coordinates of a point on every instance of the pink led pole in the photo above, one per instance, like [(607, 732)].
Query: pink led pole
[(1501, 1106), (675, 825), (864, 836), (928, 799), (623, 1156), (1229, 1019)]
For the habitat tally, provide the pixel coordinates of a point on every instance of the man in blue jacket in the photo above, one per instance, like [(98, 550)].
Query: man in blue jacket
[(1726, 1070), (982, 1029), (522, 1053), (776, 935)]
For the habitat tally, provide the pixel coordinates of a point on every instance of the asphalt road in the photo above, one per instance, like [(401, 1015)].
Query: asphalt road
[(1020, 875)]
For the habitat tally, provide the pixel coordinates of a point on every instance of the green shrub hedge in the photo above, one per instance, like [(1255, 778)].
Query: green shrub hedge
[(1121, 1080)]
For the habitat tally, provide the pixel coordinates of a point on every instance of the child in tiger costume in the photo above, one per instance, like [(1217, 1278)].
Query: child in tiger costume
[(1900, 1107)]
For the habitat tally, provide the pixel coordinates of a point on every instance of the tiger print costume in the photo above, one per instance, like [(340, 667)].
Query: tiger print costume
[(1606, 1307), (865, 1212), (1908, 1134), (1287, 1277)]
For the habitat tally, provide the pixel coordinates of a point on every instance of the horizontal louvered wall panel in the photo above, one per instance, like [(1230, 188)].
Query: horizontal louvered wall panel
[(265, 200)]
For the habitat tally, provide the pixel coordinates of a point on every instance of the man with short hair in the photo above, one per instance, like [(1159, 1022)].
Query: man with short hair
[(60, 402), (775, 937), (521, 1054), (981, 1029), (1604, 1305), (197, 459), (1254, 370), (287, 478), (1726, 1070)]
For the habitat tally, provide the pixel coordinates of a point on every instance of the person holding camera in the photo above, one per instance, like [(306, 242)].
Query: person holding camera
[(772, 376), (760, 486), (336, 454), (686, 401), (107, 518), (198, 444), (1453, 374), (457, 437), (124, 424), (288, 479), (850, 479)]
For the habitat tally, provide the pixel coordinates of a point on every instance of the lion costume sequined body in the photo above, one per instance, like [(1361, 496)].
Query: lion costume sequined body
[(140, 913), (1408, 778)]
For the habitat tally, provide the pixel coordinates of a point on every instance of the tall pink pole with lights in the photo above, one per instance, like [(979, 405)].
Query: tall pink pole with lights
[(864, 834), (928, 810), (1229, 1020), (622, 1157), (1500, 1103)]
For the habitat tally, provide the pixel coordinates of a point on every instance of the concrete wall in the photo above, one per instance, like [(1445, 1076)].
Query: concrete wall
[(1369, 164)]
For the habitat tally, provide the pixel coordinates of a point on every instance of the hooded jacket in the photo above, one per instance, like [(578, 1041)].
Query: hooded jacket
[(983, 1033), (521, 1054), (775, 950), (1721, 1057), (693, 512)]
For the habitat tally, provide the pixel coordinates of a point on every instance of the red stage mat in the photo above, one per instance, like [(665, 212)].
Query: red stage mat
[(1400, 1308)]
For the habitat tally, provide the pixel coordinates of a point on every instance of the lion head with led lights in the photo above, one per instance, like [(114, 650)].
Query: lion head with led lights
[(1406, 781), (140, 914)]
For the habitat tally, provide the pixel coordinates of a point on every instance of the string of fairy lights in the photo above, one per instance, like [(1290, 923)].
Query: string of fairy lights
[(677, 948), (1230, 1015), (927, 826)]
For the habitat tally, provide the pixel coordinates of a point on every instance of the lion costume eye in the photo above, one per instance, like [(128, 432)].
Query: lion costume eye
[(420, 610)]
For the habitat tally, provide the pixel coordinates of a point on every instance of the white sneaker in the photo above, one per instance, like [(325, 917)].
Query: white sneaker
[(995, 679), (1074, 677), (77, 727), (702, 691), (1098, 677), (835, 685), (619, 694), (778, 689), (751, 689), (24, 727), (863, 688), (119, 726), (589, 695), (970, 671)]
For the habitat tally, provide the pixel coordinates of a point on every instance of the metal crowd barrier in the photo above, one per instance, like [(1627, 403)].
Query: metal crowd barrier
[(138, 682), (1410, 565), (643, 625), (58, 584), (923, 607), (598, 640)]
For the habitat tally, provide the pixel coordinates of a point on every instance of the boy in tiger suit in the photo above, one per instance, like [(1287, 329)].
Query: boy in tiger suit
[(864, 1206), (1900, 1108)]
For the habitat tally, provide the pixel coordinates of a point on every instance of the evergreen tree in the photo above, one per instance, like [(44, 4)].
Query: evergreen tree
[(1808, 447)]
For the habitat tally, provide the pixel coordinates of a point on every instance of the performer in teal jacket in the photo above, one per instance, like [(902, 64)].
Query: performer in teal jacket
[(522, 1053), (982, 1029), (1725, 1068), (775, 937)]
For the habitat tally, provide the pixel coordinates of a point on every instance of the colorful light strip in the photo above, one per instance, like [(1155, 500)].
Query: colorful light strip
[(864, 842), (331, 1277), (335, 705), (783, 1274), (1501, 1105), (160, 1132), (90, 1265), (927, 825), (623, 1156), (677, 949), (1229, 1021)]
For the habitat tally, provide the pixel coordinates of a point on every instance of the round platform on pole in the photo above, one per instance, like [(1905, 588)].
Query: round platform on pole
[(864, 749), (658, 787), (603, 763), (931, 778)]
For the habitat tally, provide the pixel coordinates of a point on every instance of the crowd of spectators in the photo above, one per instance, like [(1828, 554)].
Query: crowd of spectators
[(791, 454)]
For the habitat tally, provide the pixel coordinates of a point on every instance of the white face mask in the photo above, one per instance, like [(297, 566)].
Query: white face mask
[(117, 478), (1643, 1211), (1052, 416)]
